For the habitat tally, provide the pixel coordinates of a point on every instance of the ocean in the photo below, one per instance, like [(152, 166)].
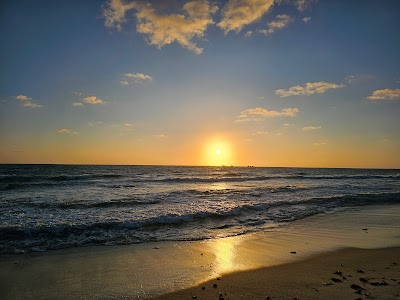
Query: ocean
[(46, 207)]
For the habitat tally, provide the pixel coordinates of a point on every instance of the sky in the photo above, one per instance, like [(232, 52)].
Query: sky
[(290, 83)]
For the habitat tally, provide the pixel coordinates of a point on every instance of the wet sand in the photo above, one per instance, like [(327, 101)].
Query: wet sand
[(149, 270), (342, 274)]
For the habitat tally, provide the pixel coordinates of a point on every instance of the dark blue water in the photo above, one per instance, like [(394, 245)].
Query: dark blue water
[(46, 207)]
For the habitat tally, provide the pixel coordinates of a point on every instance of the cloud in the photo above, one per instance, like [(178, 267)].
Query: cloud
[(114, 13), (306, 19), (166, 29), (358, 78), (128, 126), (309, 89), (248, 33), (385, 94), (135, 77), (67, 131), (280, 22), (261, 133), (93, 100), (92, 124), (139, 76), (239, 13), (160, 136), (309, 128), (23, 98), (301, 5), (26, 101), (259, 114), (77, 104)]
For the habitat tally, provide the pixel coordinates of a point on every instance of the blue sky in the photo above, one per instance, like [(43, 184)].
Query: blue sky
[(274, 83)]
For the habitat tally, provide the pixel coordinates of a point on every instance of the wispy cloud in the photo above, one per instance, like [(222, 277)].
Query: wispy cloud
[(261, 133), (280, 22), (128, 126), (259, 114), (238, 13), (301, 5), (92, 124), (27, 102), (77, 104), (248, 33), (358, 78), (165, 29), (66, 131), (309, 89), (306, 19), (309, 128), (93, 100), (160, 136), (135, 78), (320, 144), (385, 94), (114, 12)]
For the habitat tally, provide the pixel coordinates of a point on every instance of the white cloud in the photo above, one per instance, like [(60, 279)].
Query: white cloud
[(239, 13), (77, 104), (114, 12), (280, 22), (309, 128), (306, 19), (166, 29), (303, 4), (259, 114), (92, 124), (26, 101), (248, 33), (309, 89), (139, 76), (124, 82), (128, 126), (93, 100), (135, 77), (66, 131), (385, 94)]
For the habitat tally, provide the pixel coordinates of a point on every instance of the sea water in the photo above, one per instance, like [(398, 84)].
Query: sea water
[(44, 207)]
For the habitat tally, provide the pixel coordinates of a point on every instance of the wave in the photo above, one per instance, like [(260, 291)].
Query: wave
[(124, 202), (30, 178), (178, 226), (240, 178)]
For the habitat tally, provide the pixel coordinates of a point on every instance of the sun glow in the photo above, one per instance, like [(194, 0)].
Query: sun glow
[(218, 153)]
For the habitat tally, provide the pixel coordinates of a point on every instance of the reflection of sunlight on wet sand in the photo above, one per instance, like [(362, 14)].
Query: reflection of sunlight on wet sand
[(225, 252)]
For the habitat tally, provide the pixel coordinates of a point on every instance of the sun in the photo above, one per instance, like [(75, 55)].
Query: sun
[(217, 152)]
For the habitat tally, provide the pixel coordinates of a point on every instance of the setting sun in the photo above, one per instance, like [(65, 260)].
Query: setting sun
[(218, 152)]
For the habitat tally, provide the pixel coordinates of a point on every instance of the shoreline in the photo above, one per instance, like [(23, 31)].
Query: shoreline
[(350, 273), (145, 271)]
